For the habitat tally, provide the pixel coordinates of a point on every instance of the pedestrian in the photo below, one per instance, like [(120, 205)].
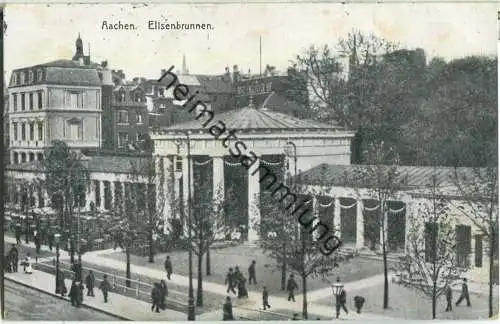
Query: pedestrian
[(51, 240), (168, 267), (14, 257), (242, 290), (8, 263), (341, 301), (27, 264), (163, 294), (291, 285), (265, 298), (36, 239), (105, 287), (464, 294), (61, 284), (155, 297), (230, 281), (77, 271), (227, 310), (236, 276), (251, 273), (79, 299), (18, 233), (73, 293), (90, 281), (358, 303), (449, 298)]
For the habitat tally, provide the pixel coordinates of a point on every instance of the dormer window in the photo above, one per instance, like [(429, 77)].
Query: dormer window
[(14, 78), (31, 77), (39, 75), (23, 78)]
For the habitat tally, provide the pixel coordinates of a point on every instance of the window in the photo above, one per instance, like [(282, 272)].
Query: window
[(178, 164), (23, 102), (463, 238), (40, 75), (74, 100), (40, 131), (122, 139), (22, 78), (14, 78), (32, 132), (14, 130), (40, 100), (40, 156), (138, 137), (14, 102), (16, 158), (23, 157), (31, 101), (122, 117), (138, 117), (31, 77), (478, 251), (74, 129), (23, 132), (431, 236)]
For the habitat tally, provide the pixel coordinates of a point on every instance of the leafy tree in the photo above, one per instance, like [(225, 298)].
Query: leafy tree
[(429, 263), (478, 201), (381, 181), (208, 224), (66, 181)]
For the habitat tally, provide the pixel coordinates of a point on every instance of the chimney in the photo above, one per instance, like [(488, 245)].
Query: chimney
[(163, 71), (236, 73), (104, 64)]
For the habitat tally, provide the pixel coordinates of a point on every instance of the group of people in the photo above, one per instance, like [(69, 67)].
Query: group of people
[(12, 261), (236, 279), (159, 295)]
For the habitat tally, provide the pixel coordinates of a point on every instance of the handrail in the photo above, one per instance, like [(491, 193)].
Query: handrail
[(138, 283)]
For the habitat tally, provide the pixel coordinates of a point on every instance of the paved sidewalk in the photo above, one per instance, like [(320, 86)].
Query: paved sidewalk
[(119, 305)]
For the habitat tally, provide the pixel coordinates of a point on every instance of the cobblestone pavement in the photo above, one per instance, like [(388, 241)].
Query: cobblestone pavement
[(22, 303)]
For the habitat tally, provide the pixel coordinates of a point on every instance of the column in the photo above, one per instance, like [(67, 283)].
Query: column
[(360, 226), (36, 196), (158, 173), (472, 254), (315, 205), (167, 200), (253, 201), (124, 196), (90, 198), (336, 218), (101, 193), (218, 182), (408, 215), (112, 191), (185, 193), (46, 198)]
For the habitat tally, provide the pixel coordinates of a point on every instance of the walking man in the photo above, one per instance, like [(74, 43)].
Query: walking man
[(73, 294), (168, 267), (265, 298), (464, 294), (14, 257), (90, 281), (230, 281), (341, 301), (291, 285), (18, 233), (105, 287), (155, 296), (449, 298), (251, 273)]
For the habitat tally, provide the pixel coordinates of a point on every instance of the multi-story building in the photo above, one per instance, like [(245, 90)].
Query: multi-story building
[(56, 100)]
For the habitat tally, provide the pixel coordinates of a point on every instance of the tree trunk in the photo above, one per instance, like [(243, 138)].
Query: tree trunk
[(304, 296), (127, 269), (491, 265), (283, 275), (209, 270), (434, 300), (199, 291), (386, 275), (151, 254)]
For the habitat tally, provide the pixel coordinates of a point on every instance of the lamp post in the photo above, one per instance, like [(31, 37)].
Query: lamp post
[(57, 238), (289, 153), (337, 289), (191, 308)]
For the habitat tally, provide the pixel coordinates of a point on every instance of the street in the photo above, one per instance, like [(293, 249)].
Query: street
[(26, 304)]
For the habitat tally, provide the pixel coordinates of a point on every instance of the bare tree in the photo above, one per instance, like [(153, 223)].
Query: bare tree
[(381, 181), (478, 192), (429, 263)]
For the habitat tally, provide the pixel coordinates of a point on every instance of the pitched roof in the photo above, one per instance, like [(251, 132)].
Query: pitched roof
[(409, 176), (72, 76), (259, 119), (215, 83)]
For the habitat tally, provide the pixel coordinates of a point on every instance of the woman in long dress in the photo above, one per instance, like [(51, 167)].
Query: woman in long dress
[(27, 264)]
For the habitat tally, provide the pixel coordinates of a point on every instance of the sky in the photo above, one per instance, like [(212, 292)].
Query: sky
[(43, 33)]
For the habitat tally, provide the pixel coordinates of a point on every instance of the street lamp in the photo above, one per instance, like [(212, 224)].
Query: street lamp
[(191, 309), (337, 290), (57, 238)]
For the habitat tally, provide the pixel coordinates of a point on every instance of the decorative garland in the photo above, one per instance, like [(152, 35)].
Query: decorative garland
[(372, 208), (202, 163), (232, 164), (395, 211), (327, 205), (347, 207)]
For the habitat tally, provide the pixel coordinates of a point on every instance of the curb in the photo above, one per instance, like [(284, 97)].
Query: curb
[(122, 318)]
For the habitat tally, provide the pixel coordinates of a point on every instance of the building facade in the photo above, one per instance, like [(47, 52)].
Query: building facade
[(56, 100)]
